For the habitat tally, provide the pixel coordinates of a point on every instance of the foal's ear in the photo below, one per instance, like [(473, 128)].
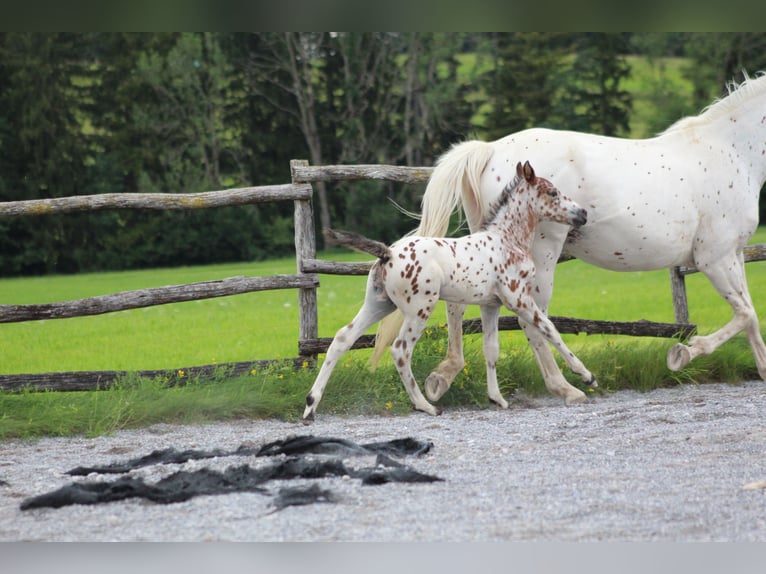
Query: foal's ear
[(529, 172)]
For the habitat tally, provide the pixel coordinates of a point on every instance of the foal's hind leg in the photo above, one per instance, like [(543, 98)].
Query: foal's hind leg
[(401, 353), (376, 306), (727, 275), (440, 380)]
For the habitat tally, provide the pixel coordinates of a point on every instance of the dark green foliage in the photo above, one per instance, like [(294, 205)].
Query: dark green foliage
[(593, 99), (89, 113)]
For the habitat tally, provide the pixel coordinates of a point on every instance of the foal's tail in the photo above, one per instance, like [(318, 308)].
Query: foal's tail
[(357, 242), (456, 177)]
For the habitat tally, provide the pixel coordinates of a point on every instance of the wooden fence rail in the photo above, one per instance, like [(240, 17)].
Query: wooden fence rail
[(161, 201), (154, 296), (299, 193), (305, 280)]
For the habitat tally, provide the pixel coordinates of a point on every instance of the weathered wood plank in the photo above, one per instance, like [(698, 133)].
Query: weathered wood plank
[(678, 290), (563, 324), (305, 249), (238, 196), (306, 173), (153, 296), (355, 268), (101, 380), (336, 267)]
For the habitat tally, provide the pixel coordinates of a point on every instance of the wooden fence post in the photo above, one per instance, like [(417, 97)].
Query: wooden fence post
[(305, 249), (680, 303)]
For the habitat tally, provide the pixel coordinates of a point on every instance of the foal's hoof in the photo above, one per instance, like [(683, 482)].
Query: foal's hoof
[(678, 357), (308, 417), (436, 385), (501, 402)]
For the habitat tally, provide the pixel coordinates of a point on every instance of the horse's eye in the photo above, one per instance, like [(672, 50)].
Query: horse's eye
[(553, 193)]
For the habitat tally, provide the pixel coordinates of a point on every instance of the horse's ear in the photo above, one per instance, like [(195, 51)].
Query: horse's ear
[(529, 172), (519, 170)]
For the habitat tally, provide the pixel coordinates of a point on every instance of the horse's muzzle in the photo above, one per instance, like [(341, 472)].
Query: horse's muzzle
[(580, 218)]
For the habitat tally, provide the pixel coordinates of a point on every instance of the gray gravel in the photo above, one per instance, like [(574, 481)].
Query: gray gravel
[(666, 465)]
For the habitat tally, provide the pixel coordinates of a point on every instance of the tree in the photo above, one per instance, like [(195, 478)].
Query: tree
[(43, 150), (437, 107), (592, 99), (720, 58), (520, 84)]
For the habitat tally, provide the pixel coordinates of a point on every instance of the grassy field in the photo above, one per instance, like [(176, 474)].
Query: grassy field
[(264, 325)]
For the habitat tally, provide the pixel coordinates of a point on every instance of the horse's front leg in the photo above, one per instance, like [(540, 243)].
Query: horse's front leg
[(727, 274), (553, 378), (539, 321), (540, 331), (489, 317), (440, 380)]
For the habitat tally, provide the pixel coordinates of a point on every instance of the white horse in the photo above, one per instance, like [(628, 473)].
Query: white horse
[(491, 267), (688, 196)]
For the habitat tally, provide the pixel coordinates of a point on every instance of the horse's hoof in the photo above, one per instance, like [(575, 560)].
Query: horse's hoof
[(576, 398), (678, 357), (436, 385), (429, 410)]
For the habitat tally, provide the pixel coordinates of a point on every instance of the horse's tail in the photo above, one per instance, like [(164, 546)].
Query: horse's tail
[(357, 242), (456, 176)]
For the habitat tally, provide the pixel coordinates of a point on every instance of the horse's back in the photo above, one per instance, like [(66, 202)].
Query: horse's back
[(642, 195)]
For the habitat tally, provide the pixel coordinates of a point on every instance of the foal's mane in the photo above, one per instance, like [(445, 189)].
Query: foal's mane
[(738, 94), (501, 201)]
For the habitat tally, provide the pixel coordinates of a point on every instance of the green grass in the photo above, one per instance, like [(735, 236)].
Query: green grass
[(264, 325)]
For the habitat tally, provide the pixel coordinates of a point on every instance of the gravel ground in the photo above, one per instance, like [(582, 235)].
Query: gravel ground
[(668, 465)]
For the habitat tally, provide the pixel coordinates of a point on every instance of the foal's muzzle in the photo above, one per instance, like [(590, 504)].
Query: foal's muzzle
[(580, 218)]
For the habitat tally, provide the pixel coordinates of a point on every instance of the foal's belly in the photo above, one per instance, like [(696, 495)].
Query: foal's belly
[(468, 294)]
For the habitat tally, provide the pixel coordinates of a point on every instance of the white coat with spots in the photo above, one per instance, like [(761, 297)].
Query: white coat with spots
[(490, 268), (688, 196)]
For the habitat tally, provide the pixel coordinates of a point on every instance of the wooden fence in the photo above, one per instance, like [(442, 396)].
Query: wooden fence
[(305, 280)]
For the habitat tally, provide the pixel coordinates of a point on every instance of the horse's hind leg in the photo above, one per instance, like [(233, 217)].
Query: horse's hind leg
[(440, 380), (489, 316), (376, 306), (727, 275)]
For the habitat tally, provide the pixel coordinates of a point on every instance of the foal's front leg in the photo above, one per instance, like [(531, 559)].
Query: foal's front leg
[(489, 317), (526, 308)]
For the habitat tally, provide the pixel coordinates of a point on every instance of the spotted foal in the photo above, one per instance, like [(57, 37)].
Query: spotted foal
[(490, 268)]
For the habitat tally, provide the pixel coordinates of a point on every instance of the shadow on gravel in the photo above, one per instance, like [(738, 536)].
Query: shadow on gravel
[(299, 461)]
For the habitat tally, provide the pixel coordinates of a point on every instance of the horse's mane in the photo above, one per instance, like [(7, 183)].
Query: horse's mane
[(738, 93), (501, 201)]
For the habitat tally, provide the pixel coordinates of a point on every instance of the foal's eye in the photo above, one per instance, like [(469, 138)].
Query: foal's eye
[(553, 193)]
